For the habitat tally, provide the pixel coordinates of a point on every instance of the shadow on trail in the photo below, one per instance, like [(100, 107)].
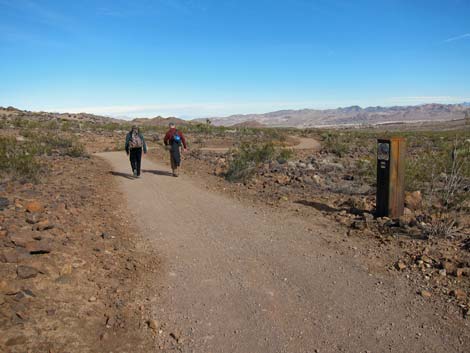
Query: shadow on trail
[(157, 172), (323, 207), (122, 175), (319, 206)]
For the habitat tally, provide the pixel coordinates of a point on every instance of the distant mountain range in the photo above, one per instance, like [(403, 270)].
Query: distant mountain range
[(304, 118), (353, 115)]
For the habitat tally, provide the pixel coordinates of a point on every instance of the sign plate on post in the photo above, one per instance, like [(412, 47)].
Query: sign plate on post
[(390, 177)]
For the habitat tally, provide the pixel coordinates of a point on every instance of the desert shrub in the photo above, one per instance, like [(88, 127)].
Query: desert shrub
[(47, 143), (336, 143), (110, 127), (16, 161), (69, 125), (366, 169), (20, 159), (435, 157), (205, 129), (22, 123), (52, 125), (284, 155), (448, 189), (119, 146), (247, 158)]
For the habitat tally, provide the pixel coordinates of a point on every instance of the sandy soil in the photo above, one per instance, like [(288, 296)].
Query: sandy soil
[(239, 278)]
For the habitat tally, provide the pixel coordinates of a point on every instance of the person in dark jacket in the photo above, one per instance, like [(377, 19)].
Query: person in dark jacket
[(135, 144), (174, 140)]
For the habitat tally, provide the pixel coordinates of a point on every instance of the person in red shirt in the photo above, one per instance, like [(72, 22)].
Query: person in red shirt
[(174, 140)]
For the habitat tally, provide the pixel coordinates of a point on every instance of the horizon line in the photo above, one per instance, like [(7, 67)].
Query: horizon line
[(119, 112)]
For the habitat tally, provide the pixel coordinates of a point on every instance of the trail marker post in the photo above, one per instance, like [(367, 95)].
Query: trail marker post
[(390, 177)]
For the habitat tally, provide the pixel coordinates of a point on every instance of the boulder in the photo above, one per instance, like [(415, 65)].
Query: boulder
[(463, 272), (21, 239), (317, 180), (458, 294), (25, 272), (16, 341), (400, 266), (153, 324), (406, 220), (34, 207), (449, 267), (36, 247), (282, 179), (426, 294), (14, 255), (220, 170), (4, 203), (44, 225), (332, 167), (32, 218), (413, 200), (359, 225)]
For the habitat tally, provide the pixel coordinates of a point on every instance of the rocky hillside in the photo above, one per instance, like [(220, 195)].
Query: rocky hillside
[(12, 113), (159, 121), (353, 115)]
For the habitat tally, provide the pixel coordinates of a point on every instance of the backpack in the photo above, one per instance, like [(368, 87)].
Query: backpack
[(176, 138), (135, 141)]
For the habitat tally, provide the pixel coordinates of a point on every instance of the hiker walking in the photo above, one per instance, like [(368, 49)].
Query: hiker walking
[(135, 144), (174, 140)]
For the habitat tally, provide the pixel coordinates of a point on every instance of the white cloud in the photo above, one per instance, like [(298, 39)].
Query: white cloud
[(453, 39)]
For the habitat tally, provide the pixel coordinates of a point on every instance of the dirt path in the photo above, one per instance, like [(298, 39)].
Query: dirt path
[(307, 143), (304, 143), (244, 279)]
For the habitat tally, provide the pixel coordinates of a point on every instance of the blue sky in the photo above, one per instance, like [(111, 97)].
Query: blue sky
[(197, 58)]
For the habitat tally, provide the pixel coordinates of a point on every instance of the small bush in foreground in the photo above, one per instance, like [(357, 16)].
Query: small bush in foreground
[(20, 159), (246, 160), (39, 143), (449, 190), (284, 155), (16, 161), (337, 143)]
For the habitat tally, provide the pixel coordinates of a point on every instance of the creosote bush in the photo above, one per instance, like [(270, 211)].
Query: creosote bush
[(16, 161), (449, 190), (284, 155), (20, 159), (247, 158), (44, 143), (336, 143)]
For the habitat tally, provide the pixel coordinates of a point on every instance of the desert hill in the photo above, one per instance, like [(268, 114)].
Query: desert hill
[(12, 113), (159, 121), (353, 115)]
